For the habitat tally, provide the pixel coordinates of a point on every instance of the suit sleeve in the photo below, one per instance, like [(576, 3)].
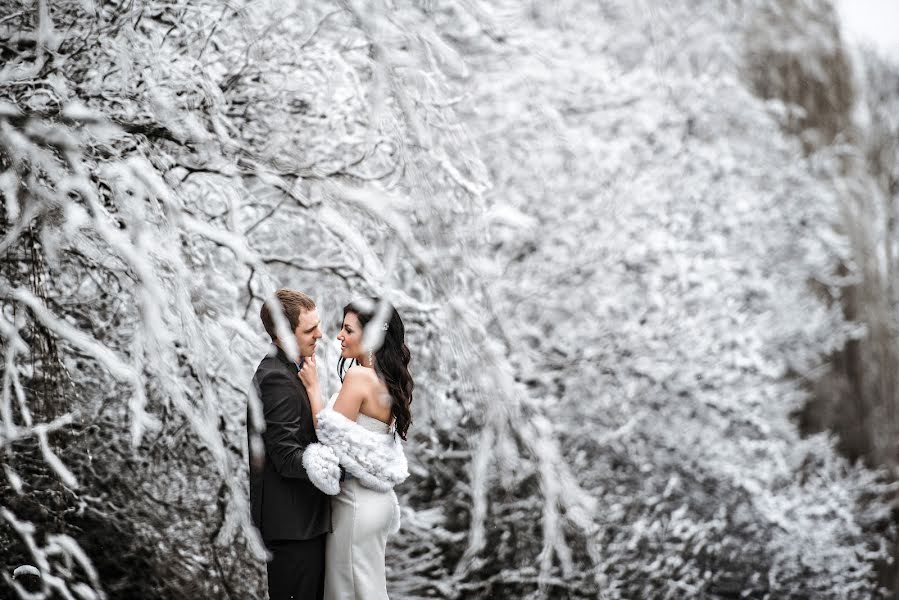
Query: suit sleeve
[(283, 420)]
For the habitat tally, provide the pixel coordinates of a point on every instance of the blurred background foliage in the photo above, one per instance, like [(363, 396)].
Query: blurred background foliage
[(645, 251)]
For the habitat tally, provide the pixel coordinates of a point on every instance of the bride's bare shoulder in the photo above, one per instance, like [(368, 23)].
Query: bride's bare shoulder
[(359, 375)]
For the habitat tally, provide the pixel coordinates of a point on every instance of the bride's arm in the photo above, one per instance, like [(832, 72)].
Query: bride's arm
[(352, 393), (308, 374)]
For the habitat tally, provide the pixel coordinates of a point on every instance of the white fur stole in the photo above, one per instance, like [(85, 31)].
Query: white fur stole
[(377, 460)]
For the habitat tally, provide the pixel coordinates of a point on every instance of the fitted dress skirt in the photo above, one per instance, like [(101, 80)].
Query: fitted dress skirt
[(354, 554)]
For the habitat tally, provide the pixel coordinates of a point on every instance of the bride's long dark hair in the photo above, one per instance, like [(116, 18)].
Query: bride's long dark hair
[(391, 362)]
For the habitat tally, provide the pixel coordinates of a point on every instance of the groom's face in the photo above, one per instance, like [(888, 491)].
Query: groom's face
[(308, 332)]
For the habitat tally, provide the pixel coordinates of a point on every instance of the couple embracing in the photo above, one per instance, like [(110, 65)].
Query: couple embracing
[(322, 473)]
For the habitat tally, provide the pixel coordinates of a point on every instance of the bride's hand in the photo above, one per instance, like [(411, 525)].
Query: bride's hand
[(308, 374)]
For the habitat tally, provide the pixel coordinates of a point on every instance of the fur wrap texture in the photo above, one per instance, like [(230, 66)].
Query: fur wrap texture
[(376, 460), (323, 467)]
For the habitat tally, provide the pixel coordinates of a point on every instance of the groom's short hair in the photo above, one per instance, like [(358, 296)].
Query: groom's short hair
[(293, 303)]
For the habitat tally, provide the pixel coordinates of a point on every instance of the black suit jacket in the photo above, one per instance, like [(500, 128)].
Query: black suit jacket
[(284, 503)]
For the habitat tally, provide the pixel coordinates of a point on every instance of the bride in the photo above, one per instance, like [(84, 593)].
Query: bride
[(360, 425)]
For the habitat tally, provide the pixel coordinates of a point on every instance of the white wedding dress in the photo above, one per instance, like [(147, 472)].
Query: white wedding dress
[(361, 518)]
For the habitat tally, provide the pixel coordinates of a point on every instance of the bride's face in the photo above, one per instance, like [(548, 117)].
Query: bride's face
[(350, 337)]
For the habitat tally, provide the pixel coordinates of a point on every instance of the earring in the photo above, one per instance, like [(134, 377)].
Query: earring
[(371, 359)]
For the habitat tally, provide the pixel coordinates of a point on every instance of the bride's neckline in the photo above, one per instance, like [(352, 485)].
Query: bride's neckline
[(362, 414)]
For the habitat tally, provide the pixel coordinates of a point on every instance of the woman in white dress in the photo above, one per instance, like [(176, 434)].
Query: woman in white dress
[(360, 425)]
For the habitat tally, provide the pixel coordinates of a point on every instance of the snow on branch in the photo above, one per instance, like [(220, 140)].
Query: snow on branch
[(114, 364)]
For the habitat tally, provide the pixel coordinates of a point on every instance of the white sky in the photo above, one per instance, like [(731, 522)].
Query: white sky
[(872, 21)]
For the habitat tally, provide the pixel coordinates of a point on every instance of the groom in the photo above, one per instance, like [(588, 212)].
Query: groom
[(292, 515)]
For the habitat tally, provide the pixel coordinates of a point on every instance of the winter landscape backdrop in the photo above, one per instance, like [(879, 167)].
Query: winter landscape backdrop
[(646, 253)]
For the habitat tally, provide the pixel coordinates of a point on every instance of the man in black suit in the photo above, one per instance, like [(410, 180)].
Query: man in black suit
[(292, 515)]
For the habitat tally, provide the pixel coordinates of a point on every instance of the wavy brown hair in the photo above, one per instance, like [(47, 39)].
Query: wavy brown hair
[(391, 362)]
